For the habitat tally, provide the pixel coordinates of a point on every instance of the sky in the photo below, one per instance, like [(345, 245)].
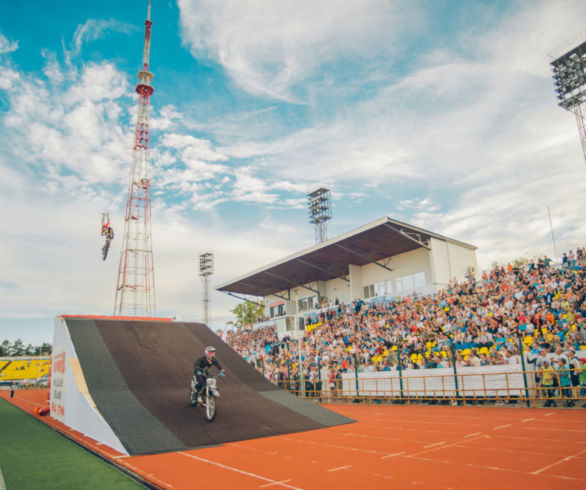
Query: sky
[(440, 114)]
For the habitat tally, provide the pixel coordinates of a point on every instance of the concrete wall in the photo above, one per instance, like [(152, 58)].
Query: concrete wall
[(450, 260)]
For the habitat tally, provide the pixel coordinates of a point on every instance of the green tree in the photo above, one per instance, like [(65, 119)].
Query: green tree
[(247, 313), (5, 348), (17, 348), (44, 350)]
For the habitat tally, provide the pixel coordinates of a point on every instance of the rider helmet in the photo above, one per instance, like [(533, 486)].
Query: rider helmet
[(210, 351)]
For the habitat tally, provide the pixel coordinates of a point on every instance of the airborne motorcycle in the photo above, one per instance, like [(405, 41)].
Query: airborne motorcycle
[(208, 395)]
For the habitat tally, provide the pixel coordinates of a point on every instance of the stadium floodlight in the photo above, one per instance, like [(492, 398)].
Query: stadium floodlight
[(320, 211), (569, 76), (206, 269)]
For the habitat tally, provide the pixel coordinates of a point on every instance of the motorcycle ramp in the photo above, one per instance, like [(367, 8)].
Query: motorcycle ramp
[(125, 383)]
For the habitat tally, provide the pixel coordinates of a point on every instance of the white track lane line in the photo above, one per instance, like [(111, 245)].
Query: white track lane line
[(502, 426), (392, 455), (567, 458), (325, 444), (434, 444), (275, 483), (473, 434), (215, 463), (31, 402), (341, 468), (444, 446), (508, 470), (527, 420)]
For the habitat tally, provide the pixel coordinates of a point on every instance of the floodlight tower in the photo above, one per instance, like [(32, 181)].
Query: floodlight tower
[(135, 290), (206, 269), (569, 76), (320, 211)]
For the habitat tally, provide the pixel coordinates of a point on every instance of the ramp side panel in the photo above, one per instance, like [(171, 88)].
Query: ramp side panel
[(137, 429), (69, 404)]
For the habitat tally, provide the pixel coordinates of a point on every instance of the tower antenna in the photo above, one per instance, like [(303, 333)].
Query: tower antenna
[(135, 289)]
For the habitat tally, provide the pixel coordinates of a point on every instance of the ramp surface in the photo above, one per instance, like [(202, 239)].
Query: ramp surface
[(138, 373)]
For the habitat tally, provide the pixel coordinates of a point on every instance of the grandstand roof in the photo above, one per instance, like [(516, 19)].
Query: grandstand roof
[(328, 260)]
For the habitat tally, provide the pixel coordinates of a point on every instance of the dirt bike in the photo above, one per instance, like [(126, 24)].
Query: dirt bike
[(208, 395)]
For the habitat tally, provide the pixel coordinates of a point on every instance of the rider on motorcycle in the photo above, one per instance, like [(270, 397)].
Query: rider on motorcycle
[(200, 369)]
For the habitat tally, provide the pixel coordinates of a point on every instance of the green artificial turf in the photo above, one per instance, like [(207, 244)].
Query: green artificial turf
[(33, 456)]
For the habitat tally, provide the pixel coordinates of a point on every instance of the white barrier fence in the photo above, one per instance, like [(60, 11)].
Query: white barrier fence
[(485, 381)]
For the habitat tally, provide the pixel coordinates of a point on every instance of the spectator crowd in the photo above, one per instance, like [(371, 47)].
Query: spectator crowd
[(535, 309)]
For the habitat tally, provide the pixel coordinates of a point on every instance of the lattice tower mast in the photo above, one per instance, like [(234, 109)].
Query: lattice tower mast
[(206, 269), (569, 75), (135, 290), (320, 212)]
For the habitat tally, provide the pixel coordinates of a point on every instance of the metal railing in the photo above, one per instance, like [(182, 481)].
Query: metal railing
[(521, 387)]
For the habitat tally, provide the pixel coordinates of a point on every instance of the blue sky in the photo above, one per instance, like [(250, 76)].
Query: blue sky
[(441, 114)]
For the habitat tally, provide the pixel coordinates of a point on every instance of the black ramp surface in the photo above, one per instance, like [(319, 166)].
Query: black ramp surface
[(126, 415), (155, 360)]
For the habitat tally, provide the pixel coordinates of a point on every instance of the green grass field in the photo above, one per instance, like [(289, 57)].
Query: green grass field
[(32, 456)]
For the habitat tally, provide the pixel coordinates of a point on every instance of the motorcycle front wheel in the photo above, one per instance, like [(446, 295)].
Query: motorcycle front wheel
[(211, 408)]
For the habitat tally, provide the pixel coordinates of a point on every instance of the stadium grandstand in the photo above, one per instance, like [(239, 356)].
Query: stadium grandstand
[(29, 370), (514, 321)]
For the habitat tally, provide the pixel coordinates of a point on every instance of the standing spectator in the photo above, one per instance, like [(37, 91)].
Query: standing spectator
[(12, 388), (565, 383), (582, 378), (547, 384), (332, 383)]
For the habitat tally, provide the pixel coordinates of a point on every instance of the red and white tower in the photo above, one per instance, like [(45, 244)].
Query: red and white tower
[(135, 291)]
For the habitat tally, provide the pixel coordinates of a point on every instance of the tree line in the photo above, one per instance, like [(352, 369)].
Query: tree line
[(18, 349)]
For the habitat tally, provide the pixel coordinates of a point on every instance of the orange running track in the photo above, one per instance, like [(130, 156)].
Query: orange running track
[(390, 446)]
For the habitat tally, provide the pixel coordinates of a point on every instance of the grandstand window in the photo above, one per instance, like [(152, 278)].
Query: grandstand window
[(301, 324), (281, 309), (389, 287), (407, 283), (272, 313), (306, 303), (380, 289), (369, 291), (399, 284)]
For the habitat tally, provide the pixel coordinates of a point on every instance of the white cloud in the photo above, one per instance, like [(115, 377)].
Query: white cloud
[(94, 29), (247, 187), (268, 47), (7, 46), (72, 124), (192, 148)]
